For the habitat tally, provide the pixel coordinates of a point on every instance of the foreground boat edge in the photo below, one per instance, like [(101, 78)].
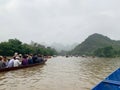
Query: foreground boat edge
[(111, 82)]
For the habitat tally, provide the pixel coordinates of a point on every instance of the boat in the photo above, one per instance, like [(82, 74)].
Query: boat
[(22, 66), (112, 82)]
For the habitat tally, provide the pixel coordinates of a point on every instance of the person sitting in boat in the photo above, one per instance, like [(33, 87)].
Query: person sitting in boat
[(1, 63), (20, 57), (30, 61), (25, 60), (11, 62), (34, 58), (40, 59), (15, 54), (17, 62), (5, 62)]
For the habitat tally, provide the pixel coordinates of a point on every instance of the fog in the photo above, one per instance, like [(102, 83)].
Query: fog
[(60, 21)]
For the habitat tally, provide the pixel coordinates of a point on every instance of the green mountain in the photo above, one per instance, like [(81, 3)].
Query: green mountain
[(94, 42)]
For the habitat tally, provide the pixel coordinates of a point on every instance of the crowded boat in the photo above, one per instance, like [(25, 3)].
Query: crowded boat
[(21, 60)]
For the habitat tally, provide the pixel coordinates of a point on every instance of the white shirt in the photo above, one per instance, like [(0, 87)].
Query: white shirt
[(11, 63), (17, 63)]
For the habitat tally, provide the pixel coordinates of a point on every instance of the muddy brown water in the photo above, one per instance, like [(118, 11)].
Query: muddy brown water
[(60, 73)]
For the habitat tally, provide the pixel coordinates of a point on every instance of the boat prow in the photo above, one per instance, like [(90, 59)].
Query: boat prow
[(112, 82)]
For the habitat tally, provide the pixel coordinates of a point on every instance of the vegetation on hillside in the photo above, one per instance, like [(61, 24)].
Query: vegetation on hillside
[(98, 45), (105, 52), (14, 45)]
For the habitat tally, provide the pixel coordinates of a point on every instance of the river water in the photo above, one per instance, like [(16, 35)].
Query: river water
[(60, 73)]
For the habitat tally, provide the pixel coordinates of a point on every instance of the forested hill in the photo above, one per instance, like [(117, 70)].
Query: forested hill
[(93, 43)]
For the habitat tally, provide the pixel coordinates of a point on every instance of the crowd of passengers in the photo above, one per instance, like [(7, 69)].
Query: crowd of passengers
[(18, 60)]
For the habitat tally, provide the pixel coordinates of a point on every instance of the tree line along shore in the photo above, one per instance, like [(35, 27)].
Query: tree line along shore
[(8, 48)]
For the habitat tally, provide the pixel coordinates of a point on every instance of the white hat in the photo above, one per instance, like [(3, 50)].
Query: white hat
[(17, 57)]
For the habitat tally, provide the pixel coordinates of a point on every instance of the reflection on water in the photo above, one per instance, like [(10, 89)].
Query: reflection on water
[(60, 73)]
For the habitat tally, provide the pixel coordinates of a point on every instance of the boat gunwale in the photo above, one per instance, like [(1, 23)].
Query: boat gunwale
[(21, 67)]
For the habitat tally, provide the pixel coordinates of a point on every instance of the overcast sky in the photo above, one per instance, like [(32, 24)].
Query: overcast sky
[(61, 21)]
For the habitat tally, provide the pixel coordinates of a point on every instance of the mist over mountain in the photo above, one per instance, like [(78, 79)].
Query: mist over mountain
[(59, 47)]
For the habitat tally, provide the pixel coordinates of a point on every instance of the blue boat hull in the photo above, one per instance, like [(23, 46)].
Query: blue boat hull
[(112, 82)]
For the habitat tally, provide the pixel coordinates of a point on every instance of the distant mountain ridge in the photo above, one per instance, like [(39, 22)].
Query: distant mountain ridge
[(92, 43)]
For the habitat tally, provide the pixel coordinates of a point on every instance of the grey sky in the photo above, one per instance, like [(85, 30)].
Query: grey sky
[(61, 21)]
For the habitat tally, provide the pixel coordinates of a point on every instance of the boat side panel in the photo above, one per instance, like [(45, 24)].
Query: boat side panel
[(21, 67), (106, 86), (115, 76)]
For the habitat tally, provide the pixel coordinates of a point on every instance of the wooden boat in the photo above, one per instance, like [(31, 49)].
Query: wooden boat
[(112, 82), (21, 67)]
